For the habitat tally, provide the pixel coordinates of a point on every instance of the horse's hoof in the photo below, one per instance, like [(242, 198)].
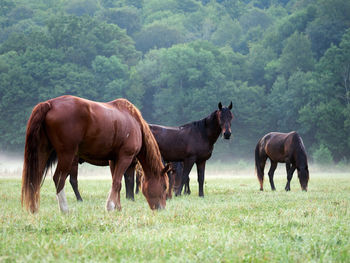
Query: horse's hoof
[(110, 206)]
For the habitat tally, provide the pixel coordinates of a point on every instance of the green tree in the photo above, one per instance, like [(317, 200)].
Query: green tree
[(296, 55)]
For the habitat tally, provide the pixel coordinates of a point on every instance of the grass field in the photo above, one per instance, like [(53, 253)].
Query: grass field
[(233, 223)]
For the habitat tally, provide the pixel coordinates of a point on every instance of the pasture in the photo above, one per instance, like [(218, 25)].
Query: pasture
[(234, 222)]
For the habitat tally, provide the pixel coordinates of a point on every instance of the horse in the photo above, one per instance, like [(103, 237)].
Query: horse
[(282, 148), (193, 143), (139, 174), (101, 133)]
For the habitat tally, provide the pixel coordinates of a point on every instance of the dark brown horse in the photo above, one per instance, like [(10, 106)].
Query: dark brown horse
[(193, 142), (282, 148), (113, 133)]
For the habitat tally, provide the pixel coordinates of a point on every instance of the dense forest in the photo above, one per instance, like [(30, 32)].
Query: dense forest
[(285, 64)]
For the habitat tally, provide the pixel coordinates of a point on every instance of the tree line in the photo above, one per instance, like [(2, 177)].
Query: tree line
[(285, 64)]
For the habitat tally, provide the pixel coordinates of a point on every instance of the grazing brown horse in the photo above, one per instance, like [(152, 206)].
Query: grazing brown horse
[(282, 148), (112, 133), (139, 174), (193, 143)]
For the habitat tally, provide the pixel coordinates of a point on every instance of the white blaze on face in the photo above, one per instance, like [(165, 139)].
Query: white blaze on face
[(62, 201)]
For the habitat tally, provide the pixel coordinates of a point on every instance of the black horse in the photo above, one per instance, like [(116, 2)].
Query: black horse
[(282, 148), (193, 143), (190, 143)]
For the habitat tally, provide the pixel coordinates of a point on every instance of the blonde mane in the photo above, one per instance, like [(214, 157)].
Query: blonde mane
[(149, 149)]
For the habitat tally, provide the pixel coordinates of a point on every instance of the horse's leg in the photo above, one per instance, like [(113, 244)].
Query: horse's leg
[(290, 172), (187, 190), (138, 182), (73, 178), (119, 167), (271, 173), (63, 167), (188, 164), (130, 181), (200, 174)]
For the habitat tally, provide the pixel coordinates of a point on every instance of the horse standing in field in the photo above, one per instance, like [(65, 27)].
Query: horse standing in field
[(193, 143), (282, 148), (112, 133)]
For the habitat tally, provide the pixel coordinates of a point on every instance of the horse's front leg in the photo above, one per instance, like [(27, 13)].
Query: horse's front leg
[(200, 174), (290, 171), (271, 173), (119, 167)]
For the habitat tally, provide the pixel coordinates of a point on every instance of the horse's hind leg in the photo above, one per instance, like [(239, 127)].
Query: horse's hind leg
[(73, 178), (271, 173), (188, 164), (290, 171), (63, 167)]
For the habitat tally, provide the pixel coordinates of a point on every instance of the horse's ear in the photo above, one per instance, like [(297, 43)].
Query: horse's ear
[(220, 105), (166, 169), (230, 106)]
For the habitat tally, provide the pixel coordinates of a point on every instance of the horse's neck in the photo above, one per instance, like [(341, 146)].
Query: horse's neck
[(148, 167), (300, 154), (300, 158), (213, 128)]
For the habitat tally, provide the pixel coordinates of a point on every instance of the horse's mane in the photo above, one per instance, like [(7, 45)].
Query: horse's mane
[(300, 144), (200, 123), (152, 154)]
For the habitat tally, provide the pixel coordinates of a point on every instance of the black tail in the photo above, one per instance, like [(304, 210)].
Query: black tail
[(259, 172)]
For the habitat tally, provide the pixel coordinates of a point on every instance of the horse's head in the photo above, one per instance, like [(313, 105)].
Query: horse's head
[(155, 189), (303, 174), (225, 117)]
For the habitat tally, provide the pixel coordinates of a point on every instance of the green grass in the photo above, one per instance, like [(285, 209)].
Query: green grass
[(233, 223)]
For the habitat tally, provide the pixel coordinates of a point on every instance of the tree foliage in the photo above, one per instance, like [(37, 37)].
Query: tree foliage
[(285, 65)]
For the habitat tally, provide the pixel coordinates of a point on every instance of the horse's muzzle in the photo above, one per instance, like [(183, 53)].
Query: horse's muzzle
[(227, 135)]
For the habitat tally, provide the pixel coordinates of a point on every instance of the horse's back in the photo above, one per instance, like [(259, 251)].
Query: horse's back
[(278, 146), (177, 143), (97, 128)]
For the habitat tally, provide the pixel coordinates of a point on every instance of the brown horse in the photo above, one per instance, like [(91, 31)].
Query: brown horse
[(112, 133), (282, 148), (174, 175), (193, 143)]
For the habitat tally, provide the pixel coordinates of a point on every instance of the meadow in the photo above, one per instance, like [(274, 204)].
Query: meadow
[(234, 222)]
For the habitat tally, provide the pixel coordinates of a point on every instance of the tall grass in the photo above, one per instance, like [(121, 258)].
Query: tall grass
[(234, 222)]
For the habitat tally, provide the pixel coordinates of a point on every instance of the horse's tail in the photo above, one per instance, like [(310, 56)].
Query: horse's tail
[(258, 170), (36, 157)]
